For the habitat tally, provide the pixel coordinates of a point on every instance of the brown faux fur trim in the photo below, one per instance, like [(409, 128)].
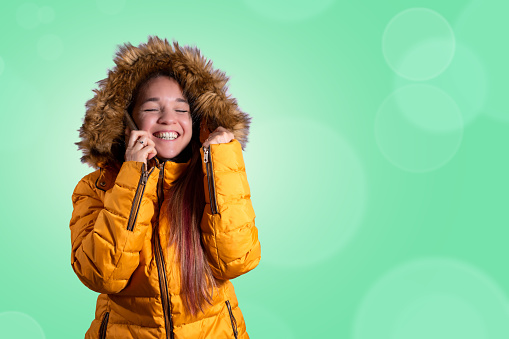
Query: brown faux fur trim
[(103, 128)]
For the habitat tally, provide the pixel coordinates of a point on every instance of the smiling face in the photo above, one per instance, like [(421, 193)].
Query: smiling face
[(162, 110)]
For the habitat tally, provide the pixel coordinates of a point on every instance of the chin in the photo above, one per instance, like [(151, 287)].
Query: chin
[(172, 151), (168, 154)]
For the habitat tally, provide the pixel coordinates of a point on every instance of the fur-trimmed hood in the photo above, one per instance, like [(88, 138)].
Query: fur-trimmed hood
[(102, 132)]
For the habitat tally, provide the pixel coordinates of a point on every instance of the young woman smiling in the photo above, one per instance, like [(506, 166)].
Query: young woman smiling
[(166, 220)]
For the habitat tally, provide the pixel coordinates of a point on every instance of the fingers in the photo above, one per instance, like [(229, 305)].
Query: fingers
[(141, 155), (220, 136), (140, 137), (140, 147)]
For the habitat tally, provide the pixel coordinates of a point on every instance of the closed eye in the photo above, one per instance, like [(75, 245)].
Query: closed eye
[(180, 111), (150, 110)]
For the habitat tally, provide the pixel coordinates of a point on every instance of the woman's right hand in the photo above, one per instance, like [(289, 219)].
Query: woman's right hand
[(140, 147)]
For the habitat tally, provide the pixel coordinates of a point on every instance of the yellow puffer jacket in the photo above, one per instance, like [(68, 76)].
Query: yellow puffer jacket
[(120, 240)]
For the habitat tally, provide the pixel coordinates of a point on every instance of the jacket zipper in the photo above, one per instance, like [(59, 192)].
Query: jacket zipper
[(207, 159), (161, 270), (232, 319), (104, 326), (137, 197), (163, 286)]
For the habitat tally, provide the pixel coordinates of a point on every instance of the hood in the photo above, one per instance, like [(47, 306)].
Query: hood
[(102, 132)]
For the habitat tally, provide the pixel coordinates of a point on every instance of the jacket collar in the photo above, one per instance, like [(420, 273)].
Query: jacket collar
[(172, 171)]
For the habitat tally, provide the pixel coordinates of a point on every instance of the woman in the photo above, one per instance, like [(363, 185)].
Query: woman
[(166, 220)]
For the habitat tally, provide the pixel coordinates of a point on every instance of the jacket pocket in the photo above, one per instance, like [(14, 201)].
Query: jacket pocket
[(104, 326), (207, 159), (232, 319)]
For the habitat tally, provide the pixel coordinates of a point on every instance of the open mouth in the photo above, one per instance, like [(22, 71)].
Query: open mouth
[(166, 135)]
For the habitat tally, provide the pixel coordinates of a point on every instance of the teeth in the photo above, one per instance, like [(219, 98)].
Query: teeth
[(166, 135)]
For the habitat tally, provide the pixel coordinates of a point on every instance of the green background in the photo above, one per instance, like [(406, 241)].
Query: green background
[(377, 158)]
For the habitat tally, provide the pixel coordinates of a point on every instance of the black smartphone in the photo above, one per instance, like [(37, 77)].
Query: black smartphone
[(130, 122)]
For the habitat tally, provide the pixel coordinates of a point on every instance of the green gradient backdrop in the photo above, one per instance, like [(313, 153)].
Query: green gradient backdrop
[(377, 160)]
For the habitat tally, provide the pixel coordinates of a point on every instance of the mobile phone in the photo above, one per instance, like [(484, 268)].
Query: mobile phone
[(130, 122)]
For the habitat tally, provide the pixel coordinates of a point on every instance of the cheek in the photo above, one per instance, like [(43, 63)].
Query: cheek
[(144, 122), (187, 124)]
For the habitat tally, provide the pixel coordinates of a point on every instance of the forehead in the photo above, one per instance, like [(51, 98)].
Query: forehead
[(161, 86)]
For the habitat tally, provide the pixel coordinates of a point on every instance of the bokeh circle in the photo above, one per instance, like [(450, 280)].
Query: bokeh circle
[(418, 128), (27, 15), (20, 326), (437, 298), (465, 80), (46, 14), (309, 191), (483, 25), (418, 44)]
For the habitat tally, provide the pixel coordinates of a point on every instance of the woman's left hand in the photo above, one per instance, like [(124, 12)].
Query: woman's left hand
[(220, 136)]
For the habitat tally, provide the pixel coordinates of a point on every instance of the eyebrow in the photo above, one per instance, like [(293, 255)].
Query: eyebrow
[(157, 99)]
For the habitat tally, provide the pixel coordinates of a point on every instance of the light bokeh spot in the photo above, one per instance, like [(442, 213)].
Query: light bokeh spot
[(437, 298), (111, 7), (465, 81), (438, 316), (288, 10), (20, 326), (418, 128), (418, 44), (429, 107), (50, 47), (46, 14), (309, 190), (483, 25), (27, 15)]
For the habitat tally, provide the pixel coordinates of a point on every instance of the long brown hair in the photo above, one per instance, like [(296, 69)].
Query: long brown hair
[(185, 210)]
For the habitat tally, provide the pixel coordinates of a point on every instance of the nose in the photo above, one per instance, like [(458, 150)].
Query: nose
[(167, 117)]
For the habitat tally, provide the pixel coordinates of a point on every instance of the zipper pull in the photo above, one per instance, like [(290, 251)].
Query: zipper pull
[(144, 178), (144, 174), (205, 154)]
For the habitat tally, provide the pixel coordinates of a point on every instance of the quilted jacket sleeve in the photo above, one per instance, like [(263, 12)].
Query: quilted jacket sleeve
[(229, 235), (108, 228)]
